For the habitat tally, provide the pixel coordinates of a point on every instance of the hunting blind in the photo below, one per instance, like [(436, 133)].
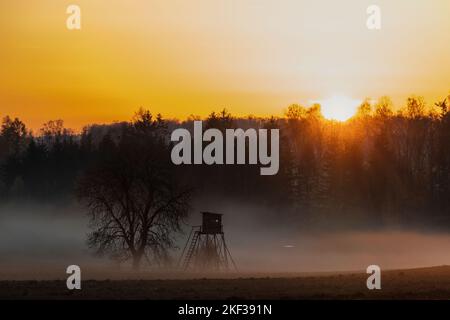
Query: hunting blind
[(205, 248)]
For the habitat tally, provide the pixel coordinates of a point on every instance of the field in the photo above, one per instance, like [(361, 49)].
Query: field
[(424, 283)]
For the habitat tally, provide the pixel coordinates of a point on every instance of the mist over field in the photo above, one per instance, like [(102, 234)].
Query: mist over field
[(372, 190), (39, 241)]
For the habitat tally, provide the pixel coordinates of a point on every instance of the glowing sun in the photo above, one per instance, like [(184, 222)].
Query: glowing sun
[(339, 107)]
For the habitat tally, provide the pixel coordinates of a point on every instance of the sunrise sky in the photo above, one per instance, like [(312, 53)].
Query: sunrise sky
[(183, 57)]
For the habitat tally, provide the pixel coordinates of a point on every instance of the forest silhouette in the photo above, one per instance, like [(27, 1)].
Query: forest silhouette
[(383, 167)]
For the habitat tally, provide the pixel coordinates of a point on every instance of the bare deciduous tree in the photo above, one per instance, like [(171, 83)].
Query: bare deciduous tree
[(134, 199)]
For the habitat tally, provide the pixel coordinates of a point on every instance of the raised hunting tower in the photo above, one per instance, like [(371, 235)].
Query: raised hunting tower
[(205, 249)]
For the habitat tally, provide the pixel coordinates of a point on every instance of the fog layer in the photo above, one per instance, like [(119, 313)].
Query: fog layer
[(38, 242)]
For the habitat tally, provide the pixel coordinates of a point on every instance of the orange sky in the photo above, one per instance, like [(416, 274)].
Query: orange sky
[(183, 57)]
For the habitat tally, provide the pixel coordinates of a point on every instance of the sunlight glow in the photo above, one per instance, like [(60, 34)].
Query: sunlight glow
[(339, 107)]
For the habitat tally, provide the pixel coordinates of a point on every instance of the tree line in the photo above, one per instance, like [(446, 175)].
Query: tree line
[(381, 167)]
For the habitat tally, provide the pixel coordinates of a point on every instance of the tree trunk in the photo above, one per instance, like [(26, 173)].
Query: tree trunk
[(137, 257)]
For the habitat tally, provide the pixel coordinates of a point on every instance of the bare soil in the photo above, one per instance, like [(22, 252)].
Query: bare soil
[(424, 283)]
